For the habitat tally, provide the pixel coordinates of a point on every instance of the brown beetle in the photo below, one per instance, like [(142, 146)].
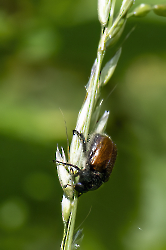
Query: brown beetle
[(100, 155), (98, 161)]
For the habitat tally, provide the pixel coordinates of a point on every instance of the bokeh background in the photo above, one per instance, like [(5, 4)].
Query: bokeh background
[(47, 49)]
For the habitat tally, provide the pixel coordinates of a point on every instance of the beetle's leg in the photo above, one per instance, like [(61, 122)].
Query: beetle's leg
[(82, 138)]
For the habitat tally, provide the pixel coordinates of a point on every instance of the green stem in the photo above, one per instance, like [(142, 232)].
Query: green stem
[(69, 227)]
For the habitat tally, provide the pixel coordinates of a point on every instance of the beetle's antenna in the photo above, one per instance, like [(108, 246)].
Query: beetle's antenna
[(67, 164)]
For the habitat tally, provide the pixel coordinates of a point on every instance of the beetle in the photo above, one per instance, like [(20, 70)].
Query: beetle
[(99, 156)]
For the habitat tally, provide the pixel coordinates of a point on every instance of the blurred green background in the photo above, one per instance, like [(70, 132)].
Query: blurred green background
[(47, 49)]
